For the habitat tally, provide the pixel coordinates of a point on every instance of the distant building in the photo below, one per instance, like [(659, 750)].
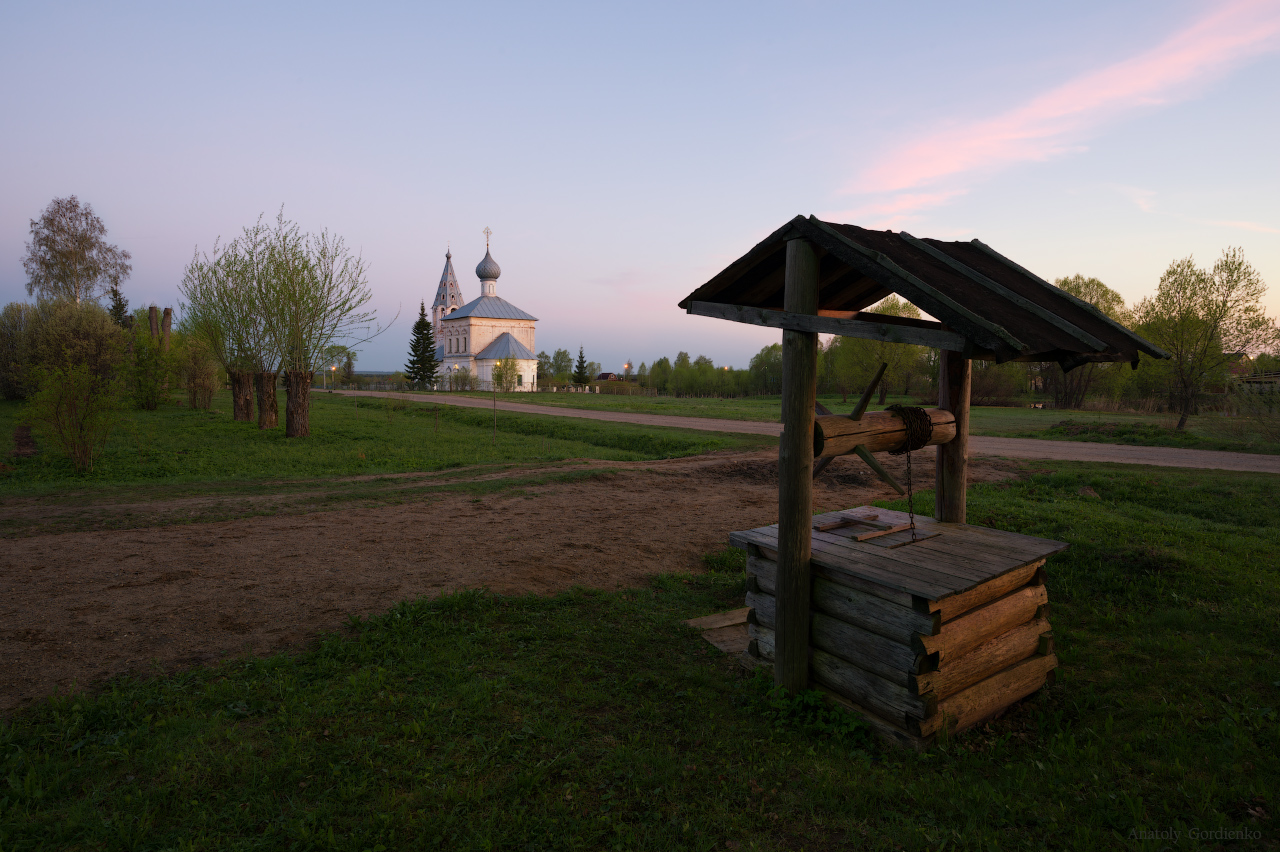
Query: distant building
[(477, 335)]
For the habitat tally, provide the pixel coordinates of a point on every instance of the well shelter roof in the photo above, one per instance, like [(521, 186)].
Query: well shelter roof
[(987, 306)]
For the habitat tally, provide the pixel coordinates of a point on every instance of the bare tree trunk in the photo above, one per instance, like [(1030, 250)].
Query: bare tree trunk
[(1183, 415), (884, 393), (153, 321), (264, 384), (241, 395), (166, 323), (297, 407)]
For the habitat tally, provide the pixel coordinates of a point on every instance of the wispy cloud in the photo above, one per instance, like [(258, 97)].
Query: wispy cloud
[(894, 211), (1057, 121), (1143, 198), (1244, 226)]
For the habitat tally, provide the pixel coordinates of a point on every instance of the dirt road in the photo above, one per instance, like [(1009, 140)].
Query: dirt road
[(1019, 448), (79, 607)]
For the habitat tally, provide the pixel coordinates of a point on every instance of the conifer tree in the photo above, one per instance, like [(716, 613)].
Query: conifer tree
[(580, 374), (423, 366), (119, 309)]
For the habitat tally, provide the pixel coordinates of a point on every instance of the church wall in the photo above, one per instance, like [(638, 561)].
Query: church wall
[(479, 332)]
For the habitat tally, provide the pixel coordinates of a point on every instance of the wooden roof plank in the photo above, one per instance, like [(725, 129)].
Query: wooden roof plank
[(1004, 292), (1146, 346), (942, 305)]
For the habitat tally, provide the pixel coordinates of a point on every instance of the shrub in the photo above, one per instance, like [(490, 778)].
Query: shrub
[(149, 371), (55, 335), (15, 365), (65, 335), (199, 372), (462, 380), (75, 410)]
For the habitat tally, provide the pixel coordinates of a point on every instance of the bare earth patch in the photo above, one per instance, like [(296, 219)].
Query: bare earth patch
[(80, 607)]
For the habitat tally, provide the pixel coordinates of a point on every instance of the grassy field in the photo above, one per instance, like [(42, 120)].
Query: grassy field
[(1204, 432), (175, 465), (597, 720), (349, 437)]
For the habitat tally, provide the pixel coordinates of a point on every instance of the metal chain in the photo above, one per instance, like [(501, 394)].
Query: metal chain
[(919, 428)]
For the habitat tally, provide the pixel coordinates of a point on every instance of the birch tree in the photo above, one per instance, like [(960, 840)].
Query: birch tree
[(68, 256)]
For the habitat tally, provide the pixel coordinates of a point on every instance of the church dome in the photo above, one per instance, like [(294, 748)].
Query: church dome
[(488, 270)]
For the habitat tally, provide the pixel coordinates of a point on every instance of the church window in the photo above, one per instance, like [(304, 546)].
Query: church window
[(519, 380)]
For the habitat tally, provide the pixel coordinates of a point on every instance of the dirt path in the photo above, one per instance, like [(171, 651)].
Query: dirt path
[(1021, 448), (79, 607)]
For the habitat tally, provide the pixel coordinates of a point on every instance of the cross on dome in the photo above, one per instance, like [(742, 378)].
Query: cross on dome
[(488, 270)]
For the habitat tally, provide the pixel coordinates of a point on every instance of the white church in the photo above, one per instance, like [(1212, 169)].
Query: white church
[(477, 335)]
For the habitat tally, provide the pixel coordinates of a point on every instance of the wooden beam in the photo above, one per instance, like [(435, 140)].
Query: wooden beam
[(955, 373), (936, 338), (795, 470), (878, 431)]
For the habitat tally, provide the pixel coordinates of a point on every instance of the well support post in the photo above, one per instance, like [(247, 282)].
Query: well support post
[(795, 471), (955, 373)]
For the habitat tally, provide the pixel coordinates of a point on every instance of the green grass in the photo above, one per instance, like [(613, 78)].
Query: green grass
[(596, 720), (349, 437), (1204, 432)]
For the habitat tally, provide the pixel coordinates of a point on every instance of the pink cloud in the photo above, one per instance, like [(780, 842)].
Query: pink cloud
[(1054, 122)]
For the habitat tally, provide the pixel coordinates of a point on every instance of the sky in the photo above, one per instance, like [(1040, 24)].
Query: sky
[(624, 153)]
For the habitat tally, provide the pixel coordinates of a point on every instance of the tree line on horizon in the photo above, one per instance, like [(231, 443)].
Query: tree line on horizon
[(1210, 321)]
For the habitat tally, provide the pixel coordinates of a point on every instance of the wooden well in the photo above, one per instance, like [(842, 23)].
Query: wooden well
[(920, 634), (941, 633)]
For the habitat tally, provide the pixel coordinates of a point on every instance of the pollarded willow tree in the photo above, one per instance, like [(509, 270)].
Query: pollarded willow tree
[(225, 309), (276, 300), (216, 308), (316, 297)]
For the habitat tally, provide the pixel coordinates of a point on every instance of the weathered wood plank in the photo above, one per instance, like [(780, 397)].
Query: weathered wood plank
[(887, 731), (795, 470), (961, 559), (988, 697), (870, 566), (890, 732), (893, 661), (896, 623), (765, 570), (720, 619), (1012, 539), (763, 610), (761, 642), (938, 569), (961, 635), (898, 581), (872, 691), (957, 605), (985, 660), (935, 338)]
